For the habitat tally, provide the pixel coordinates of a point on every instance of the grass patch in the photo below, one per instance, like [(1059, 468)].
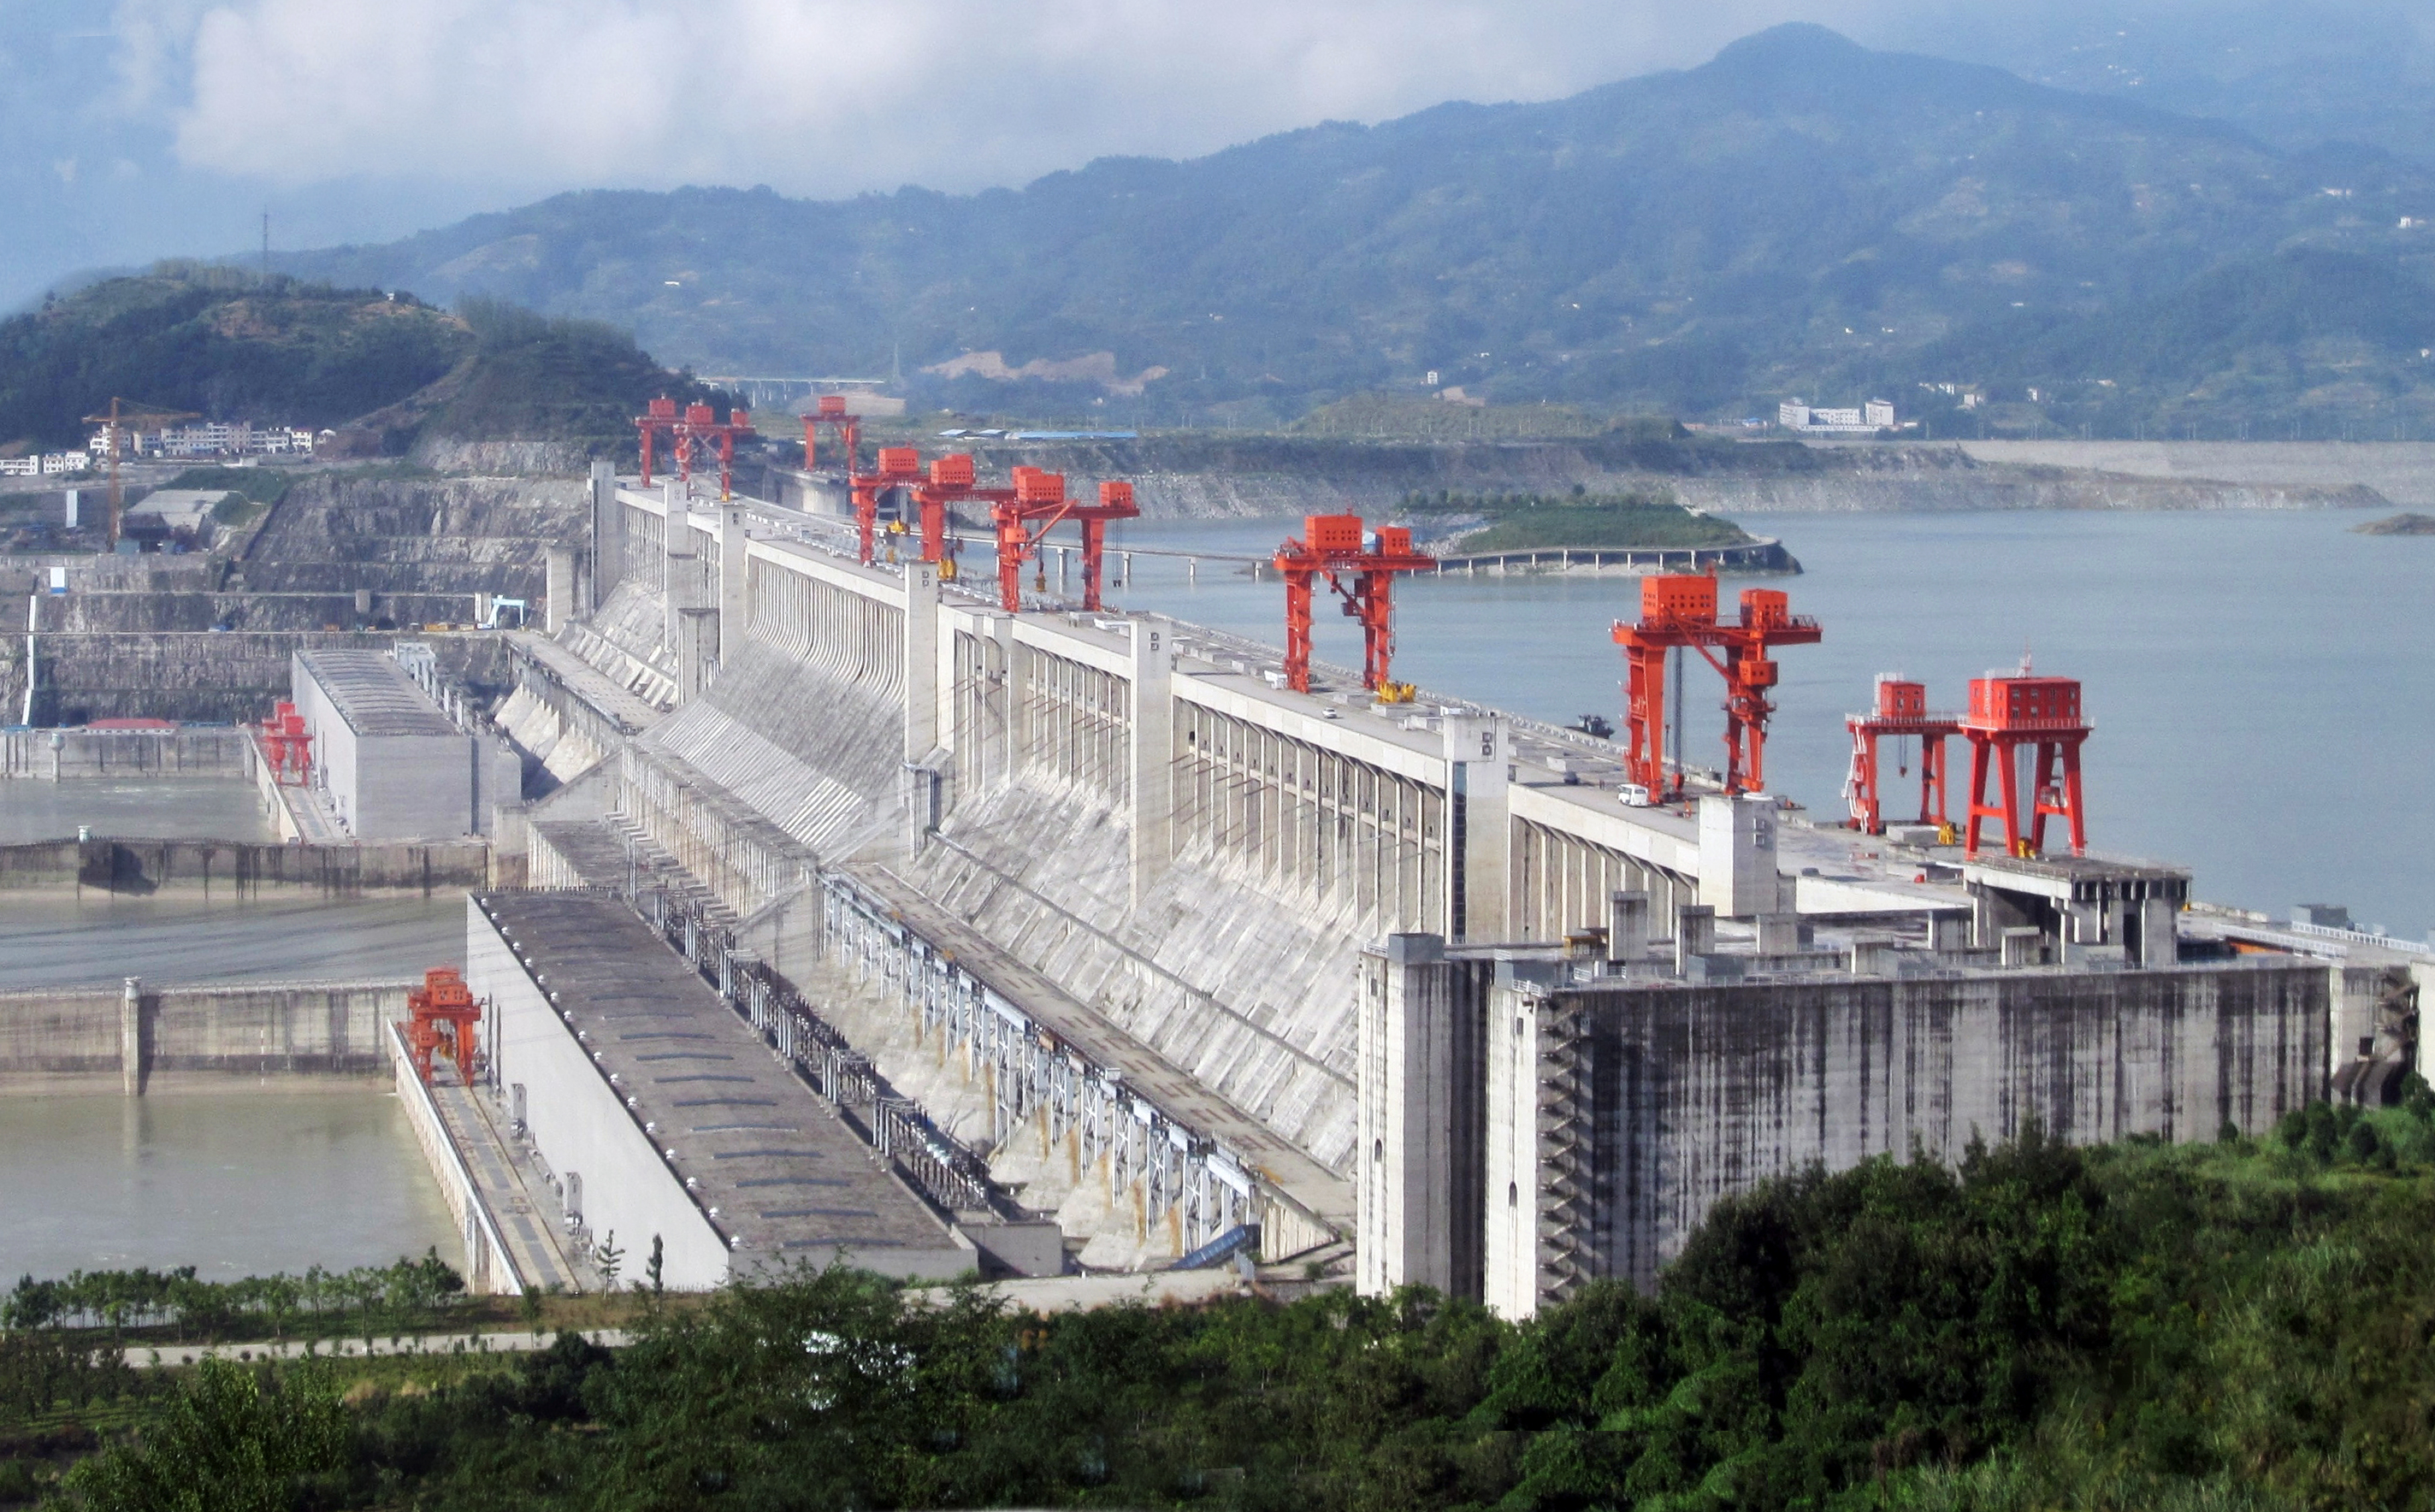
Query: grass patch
[(1526, 522)]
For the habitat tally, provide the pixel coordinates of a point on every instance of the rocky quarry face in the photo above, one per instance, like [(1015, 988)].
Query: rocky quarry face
[(210, 637)]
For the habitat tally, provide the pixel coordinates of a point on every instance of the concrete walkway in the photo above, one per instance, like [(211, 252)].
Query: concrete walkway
[(524, 1215)]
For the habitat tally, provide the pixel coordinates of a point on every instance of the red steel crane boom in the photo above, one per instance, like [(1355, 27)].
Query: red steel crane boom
[(1331, 547), (1902, 709), (1681, 611)]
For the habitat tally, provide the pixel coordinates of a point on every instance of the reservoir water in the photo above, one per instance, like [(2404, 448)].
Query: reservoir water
[(175, 808), (2262, 683), (232, 1183)]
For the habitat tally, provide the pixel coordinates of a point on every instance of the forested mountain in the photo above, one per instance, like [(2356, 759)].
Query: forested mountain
[(228, 345), (1800, 216)]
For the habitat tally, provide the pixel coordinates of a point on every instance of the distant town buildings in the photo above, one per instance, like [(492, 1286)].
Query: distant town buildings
[(1813, 419), (46, 465), (216, 438)]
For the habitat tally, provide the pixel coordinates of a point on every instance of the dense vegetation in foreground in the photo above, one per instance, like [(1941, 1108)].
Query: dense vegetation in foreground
[(1520, 522), (2236, 1325)]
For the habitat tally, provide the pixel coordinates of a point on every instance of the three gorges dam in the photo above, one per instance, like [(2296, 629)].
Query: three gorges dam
[(855, 914)]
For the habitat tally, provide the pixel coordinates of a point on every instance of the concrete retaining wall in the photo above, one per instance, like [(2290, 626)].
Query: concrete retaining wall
[(121, 754), (1617, 1117), (193, 1038), (235, 869)]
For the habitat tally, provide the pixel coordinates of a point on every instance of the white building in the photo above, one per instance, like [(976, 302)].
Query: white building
[(1816, 420), (214, 438)]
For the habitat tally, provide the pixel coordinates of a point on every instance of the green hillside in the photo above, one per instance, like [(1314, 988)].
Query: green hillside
[(218, 343), (232, 346), (1522, 522), (1799, 217)]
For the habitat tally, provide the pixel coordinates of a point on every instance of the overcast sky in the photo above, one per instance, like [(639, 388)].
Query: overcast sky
[(166, 127), (151, 127)]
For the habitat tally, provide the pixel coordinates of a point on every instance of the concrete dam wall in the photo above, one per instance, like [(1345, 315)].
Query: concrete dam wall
[(1208, 477), (139, 1038), (235, 871), (1089, 873)]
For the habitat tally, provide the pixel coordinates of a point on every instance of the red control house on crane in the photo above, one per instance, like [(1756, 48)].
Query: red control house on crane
[(1363, 575), (1679, 610)]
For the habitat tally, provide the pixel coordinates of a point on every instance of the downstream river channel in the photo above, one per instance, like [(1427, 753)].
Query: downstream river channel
[(234, 1183), (2263, 684)]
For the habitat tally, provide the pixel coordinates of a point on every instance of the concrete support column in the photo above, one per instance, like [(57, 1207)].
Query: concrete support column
[(733, 578), (1478, 754), (1695, 933), (130, 1038), (920, 659), (1738, 872), (1403, 1193), (1627, 929), (607, 530), (677, 577), (697, 651), (1152, 720), (557, 587), (2160, 941), (1514, 1193)]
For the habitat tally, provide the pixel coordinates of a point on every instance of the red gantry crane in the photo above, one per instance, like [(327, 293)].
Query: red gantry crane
[(659, 417), (2009, 712), (1038, 505), (1901, 711), (1681, 611), (285, 747), (829, 412), (900, 467), (444, 1014), (1331, 547), (688, 432)]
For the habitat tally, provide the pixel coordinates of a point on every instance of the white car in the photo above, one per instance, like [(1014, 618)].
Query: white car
[(1634, 796)]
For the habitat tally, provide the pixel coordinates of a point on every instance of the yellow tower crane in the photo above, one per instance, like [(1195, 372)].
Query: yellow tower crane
[(121, 413)]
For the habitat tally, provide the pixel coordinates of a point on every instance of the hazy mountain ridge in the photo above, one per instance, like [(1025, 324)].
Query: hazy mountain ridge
[(1800, 216)]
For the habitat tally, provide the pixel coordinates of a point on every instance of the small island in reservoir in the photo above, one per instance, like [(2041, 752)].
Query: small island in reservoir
[(2399, 525), (1583, 531)]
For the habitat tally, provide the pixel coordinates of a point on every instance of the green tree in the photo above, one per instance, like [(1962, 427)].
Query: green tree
[(232, 1440)]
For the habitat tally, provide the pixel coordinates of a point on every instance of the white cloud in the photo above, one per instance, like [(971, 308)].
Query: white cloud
[(831, 96)]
